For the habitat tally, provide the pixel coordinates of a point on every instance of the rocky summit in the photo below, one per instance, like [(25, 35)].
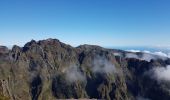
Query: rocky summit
[(50, 70)]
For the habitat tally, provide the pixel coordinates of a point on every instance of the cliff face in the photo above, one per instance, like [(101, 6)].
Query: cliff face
[(49, 70)]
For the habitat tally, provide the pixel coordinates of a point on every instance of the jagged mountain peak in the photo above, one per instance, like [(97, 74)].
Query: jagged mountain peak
[(46, 41)]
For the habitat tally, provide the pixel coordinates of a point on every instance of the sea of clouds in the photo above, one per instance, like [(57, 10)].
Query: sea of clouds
[(144, 55), (158, 53)]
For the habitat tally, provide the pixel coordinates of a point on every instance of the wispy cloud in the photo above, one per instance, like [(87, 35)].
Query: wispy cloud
[(74, 74), (102, 65), (161, 73)]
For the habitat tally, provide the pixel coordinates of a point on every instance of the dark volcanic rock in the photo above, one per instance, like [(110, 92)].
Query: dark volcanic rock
[(49, 70)]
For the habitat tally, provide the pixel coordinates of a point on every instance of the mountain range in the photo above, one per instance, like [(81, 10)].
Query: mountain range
[(49, 70)]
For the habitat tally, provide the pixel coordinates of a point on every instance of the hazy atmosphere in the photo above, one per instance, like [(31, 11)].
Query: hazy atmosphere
[(100, 22)]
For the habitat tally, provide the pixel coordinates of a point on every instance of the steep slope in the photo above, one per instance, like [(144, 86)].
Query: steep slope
[(49, 70)]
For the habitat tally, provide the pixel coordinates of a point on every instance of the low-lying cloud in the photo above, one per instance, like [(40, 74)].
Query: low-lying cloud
[(131, 55), (99, 65), (147, 55), (102, 65), (74, 74), (162, 73), (159, 53), (133, 50)]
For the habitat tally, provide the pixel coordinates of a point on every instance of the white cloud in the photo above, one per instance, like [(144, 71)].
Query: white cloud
[(133, 50), (147, 55), (162, 73), (74, 74), (160, 54), (146, 51), (131, 55), (102, 65)]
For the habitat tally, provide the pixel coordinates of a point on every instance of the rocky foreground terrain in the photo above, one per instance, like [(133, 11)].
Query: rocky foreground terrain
[(50, 70)]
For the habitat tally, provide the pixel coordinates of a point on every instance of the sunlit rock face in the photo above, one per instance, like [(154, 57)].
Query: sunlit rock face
[(50, 70)]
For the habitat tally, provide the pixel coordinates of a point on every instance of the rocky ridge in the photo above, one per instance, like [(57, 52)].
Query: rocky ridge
[(50, 70)]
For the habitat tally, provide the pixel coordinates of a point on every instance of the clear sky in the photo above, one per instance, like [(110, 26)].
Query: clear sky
[(100, 22)]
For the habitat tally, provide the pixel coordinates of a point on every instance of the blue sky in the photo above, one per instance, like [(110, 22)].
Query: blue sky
[(101, 22)]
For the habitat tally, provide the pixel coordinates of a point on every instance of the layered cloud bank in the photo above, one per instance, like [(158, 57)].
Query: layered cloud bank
[(143, 55), (158, 53)]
